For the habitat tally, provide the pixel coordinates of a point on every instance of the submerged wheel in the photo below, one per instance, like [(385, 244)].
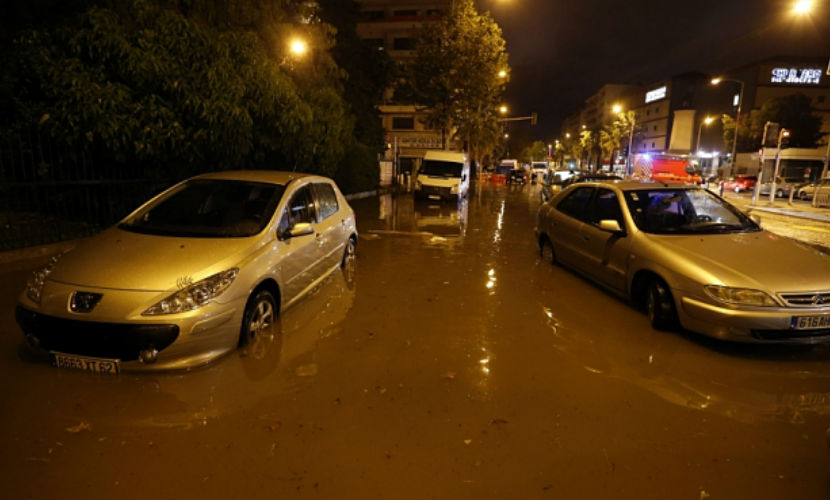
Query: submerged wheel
[(546, 251), (349, 254), (260, 314), (660, 306)]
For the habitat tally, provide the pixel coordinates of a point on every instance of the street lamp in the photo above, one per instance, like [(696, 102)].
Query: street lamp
[(716, 81), (503, 109), (802, 7), (298, 47), (705, 121)]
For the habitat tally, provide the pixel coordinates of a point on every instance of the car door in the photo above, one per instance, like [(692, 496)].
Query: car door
[(566, 223), (299, 255), (604, 254), (331, 228)]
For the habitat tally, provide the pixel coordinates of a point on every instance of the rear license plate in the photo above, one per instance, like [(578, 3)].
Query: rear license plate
[(94, 365), (810, 322)]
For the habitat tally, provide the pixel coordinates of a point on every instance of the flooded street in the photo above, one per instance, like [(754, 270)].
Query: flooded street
[(453, 364)]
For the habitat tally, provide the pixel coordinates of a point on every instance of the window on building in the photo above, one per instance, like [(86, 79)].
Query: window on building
[(655, 128), (403, 123), (403, 44), (405, 12), (653, 145), (434, 12), (372, 15), (648, 112)]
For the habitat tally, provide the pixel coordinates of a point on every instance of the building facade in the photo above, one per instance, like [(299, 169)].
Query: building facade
[(392, 26)]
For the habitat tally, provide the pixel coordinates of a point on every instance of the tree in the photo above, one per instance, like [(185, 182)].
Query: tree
[(793, 112), (537, 151), (147, 85), (455, 76)]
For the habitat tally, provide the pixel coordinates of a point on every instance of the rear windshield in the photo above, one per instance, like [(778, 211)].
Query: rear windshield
[(209, 208), (441, 168)]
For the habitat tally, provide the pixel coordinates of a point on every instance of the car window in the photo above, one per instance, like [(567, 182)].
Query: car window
[(326, 199), (606, 206), (684, 211), (217, 208), (299, 209), (576, 203)]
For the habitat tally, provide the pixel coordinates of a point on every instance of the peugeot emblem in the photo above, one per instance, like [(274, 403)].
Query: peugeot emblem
[(84, 302), (818, 300)]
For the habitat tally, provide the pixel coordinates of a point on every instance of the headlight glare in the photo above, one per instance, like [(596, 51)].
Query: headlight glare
[(739, 296), (194, 296), (34, 285)]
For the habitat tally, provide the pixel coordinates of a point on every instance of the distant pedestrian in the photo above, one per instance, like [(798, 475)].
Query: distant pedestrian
[(720, 188)]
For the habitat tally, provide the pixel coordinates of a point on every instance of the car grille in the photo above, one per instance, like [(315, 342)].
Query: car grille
[(88, 338), (807, 299), (805, 335)]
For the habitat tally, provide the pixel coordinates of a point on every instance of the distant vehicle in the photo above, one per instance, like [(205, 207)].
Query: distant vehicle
[(537, 170), (740, 183), (444, 175), (198, 270), (689, 258), (517, 176), (808, 191), (506, 165), (782, 187), (663, 168)]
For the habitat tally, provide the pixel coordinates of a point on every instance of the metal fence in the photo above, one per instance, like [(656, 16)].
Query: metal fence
[(51, 192)]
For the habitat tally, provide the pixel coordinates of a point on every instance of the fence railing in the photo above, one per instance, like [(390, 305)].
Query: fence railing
[(51, 192)]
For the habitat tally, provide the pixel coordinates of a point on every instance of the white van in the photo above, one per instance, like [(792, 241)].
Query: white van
[(443, 175)]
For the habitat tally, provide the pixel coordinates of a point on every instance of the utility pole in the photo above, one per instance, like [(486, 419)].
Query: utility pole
[(781, 135)]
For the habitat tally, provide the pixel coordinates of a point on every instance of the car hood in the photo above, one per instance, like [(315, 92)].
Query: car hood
[(125, 260), (760, 260)]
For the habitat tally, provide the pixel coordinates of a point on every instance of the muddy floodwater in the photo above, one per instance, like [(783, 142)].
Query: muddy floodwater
[(452, 364)]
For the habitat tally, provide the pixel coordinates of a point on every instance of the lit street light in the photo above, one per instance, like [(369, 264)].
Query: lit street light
[(298, 47), (802, 7), (716, 81), (706, 121), (503, 109)]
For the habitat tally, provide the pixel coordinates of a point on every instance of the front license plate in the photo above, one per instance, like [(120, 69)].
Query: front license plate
[(810, 322), (434, 197), (95, 365)]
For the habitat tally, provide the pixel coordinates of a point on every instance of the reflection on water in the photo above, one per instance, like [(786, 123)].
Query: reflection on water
[(685, 370), (274, 363), (441, 224)]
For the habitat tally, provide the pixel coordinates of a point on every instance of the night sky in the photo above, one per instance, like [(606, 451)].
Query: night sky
[(563, 51)]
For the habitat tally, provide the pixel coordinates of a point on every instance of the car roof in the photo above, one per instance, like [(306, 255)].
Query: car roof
[(270, 176), (636, 185)]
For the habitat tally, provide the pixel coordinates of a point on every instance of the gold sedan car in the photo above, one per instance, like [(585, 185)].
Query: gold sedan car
[(190, 275), (690, 258)]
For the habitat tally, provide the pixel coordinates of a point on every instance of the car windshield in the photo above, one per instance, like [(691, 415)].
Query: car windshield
[(209, 208), (441, 168), (685, 211)]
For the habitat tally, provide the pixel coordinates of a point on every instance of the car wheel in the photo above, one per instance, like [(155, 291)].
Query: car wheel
[(660, 306), (546, 251), (260, 314)]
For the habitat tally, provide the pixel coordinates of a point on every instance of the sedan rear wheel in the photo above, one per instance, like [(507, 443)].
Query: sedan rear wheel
[(660, 306), (260, 314)]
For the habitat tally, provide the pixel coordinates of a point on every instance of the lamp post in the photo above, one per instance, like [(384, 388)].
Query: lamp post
[(716, 81), (782, 133), (618, 109), (705, 121)]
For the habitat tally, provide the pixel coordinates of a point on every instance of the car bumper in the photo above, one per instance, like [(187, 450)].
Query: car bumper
[(745, 325), (183, 341)]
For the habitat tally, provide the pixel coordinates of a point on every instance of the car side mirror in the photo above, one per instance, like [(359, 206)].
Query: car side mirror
[(755, 218), (298, 229), (463, 178), (610, 225)]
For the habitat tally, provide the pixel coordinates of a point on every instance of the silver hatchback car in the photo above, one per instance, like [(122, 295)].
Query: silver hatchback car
[(690, 258), (190, 275)]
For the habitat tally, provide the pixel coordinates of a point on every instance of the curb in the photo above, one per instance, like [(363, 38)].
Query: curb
[(791, 213)]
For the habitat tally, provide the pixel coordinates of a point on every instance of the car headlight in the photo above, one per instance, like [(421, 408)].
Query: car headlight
[(195, 295), (739, 296), (34, 285)]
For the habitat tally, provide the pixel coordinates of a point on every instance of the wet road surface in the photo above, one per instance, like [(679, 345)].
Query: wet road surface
[(454, 364)]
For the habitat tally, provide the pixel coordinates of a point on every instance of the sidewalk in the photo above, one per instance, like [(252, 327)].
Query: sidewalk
[(781, 206)]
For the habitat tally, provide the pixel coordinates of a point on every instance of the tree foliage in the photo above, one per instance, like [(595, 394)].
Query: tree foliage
[(793, 112), (537, 151), (182, 90), (455, 75)]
